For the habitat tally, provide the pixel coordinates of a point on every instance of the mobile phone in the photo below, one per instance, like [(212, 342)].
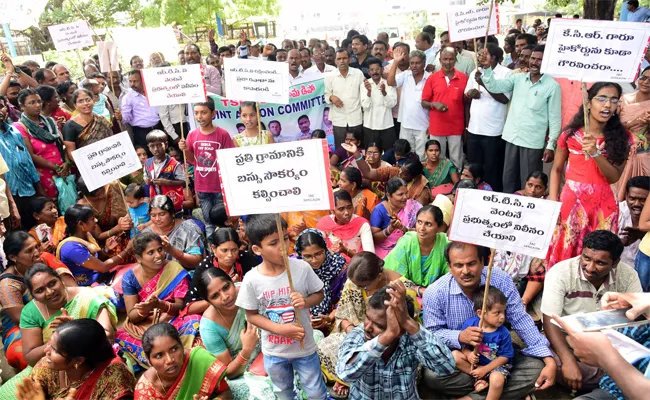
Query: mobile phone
[(607, 319)]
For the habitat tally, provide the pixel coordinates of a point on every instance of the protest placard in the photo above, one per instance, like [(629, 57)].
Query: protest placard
[(174, 85), (107, 160), (275, 178), (592, 50), (469, 23), (262, 81), (108, 58), (71, 36), (504, 221), (306, 112)]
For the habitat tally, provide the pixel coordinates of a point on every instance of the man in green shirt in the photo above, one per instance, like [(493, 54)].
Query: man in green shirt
[(535, 109)]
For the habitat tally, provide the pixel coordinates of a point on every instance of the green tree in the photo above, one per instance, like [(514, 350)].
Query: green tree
[(592, 9)]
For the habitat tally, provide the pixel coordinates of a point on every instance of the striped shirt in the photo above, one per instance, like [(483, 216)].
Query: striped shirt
[(371, 378), (22, 174), (446, 307), (641, 335)]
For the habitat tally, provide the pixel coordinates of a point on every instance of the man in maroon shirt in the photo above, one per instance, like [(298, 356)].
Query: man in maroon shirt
[(443, 96)]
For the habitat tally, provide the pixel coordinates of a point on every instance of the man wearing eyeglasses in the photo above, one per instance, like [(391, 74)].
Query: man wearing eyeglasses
[(535, 110)]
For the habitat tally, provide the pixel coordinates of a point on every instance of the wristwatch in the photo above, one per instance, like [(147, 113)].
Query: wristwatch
[(598, 153)]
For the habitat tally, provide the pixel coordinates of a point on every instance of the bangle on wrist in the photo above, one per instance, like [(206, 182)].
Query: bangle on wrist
[(242, 357), (359, 158), (140, 314)]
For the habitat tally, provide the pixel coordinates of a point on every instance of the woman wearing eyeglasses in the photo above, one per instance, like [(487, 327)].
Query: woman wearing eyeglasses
[(595, 161), (635, 116)]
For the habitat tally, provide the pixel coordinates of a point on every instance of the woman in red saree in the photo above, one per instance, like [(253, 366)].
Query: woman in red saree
[(79, 363), (177, 373)]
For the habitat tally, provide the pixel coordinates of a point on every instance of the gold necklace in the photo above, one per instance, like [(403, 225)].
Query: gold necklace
[(162, 384), (224, 319)]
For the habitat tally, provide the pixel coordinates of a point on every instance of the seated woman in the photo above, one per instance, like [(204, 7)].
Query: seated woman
[(342, 158), (420, 255), (411, 172), (227, 336), (42, 217), (527, 272), (177, 373), (79, 351), (363, 200), (474, 172), (80, 252), (346, 233), (393, 217), (330, 268), (440, 172), (22, 251), (366, 275), (298, 221), (153, 292), (183, 240), (225, 255), (373, 158)]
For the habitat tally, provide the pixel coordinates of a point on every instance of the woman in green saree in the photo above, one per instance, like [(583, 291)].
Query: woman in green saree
[(52, 305), (419, 255), (177, 373), (439, 171), (228, 336)]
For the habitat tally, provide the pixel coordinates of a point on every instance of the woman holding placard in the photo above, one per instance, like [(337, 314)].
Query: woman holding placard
[(635, 114), (253, 135), (594, 160)]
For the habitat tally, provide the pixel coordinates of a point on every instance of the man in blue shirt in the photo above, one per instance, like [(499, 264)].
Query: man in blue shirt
[(23, 179), (447, 304), (636, 13)]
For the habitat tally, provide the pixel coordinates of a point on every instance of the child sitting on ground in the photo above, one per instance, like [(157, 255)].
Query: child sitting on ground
[(138, 208), (495, 351)]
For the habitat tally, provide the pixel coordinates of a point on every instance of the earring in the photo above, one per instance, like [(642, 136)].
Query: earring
[(76, 366)]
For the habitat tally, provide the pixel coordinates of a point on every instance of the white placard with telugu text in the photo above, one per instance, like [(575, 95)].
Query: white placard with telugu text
[(71, 36), (591, 50), (280, 177), (108, 58), (504, 221), (103, 162), (252, 80), (182, 84), (468, 23)]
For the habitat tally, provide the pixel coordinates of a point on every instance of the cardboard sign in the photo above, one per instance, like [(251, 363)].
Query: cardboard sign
[(469, 23), (109, 159), (252, 80), (174, 85), (281, 177), (592, 50), (504, 221), (108, 58), (71, 36)]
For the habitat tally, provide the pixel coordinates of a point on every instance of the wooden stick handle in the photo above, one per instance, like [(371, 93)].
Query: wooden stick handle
[(285, 257), (485, 296), (259, 126), (487, 29), (187, 176), (585, 109)]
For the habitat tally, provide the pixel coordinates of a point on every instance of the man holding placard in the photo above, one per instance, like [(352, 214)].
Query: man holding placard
[(537, 108)]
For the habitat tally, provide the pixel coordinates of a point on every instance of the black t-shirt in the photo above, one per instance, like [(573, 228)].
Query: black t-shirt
[(71, 131)]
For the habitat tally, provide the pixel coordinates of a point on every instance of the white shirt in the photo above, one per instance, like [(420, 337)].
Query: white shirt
[(347, 89), (170, 115), (313, 70), (411, 113), (377, 109), (431, 53), (487, 116)]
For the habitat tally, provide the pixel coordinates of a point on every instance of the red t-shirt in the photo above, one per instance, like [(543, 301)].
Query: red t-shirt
[(204, 147), (436, 89)]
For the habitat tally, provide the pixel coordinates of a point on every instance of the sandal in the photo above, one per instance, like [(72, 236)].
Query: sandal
[(480, 385), (340, 391)]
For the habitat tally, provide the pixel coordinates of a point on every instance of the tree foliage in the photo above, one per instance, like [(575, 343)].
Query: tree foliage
[(592, 9)]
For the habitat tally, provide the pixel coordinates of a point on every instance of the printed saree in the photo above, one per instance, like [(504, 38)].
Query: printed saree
[(407, 216), (97, 129), (201, 374)]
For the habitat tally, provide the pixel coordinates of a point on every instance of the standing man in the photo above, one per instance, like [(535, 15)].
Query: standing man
[(424, 42), (522, 41), (296, 74), (379, 50), (360, 50), (413, 118), (443, 97), (383, 37), (487, 117), (330, 56), (45, 77), (212, 76), (342, 89), (537, 108), (137, 112), (61, 72), (636, 13), (576, 286), (305, 58), (377, 102), (401, 67), (431, 30), (319, 66)]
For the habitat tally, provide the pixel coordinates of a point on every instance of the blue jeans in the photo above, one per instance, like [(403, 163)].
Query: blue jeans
[(280, 370), (206, 202), (642, 267)]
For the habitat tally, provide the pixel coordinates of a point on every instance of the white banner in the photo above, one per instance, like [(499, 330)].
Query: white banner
[(592, 50), (108, 58), (468, 23), (174, 85), (71, 36), (281, 177), (504, 221), (109, 159), (261, 81)]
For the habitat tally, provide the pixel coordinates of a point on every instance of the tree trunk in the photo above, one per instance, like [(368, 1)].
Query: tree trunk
[(599, 9)]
